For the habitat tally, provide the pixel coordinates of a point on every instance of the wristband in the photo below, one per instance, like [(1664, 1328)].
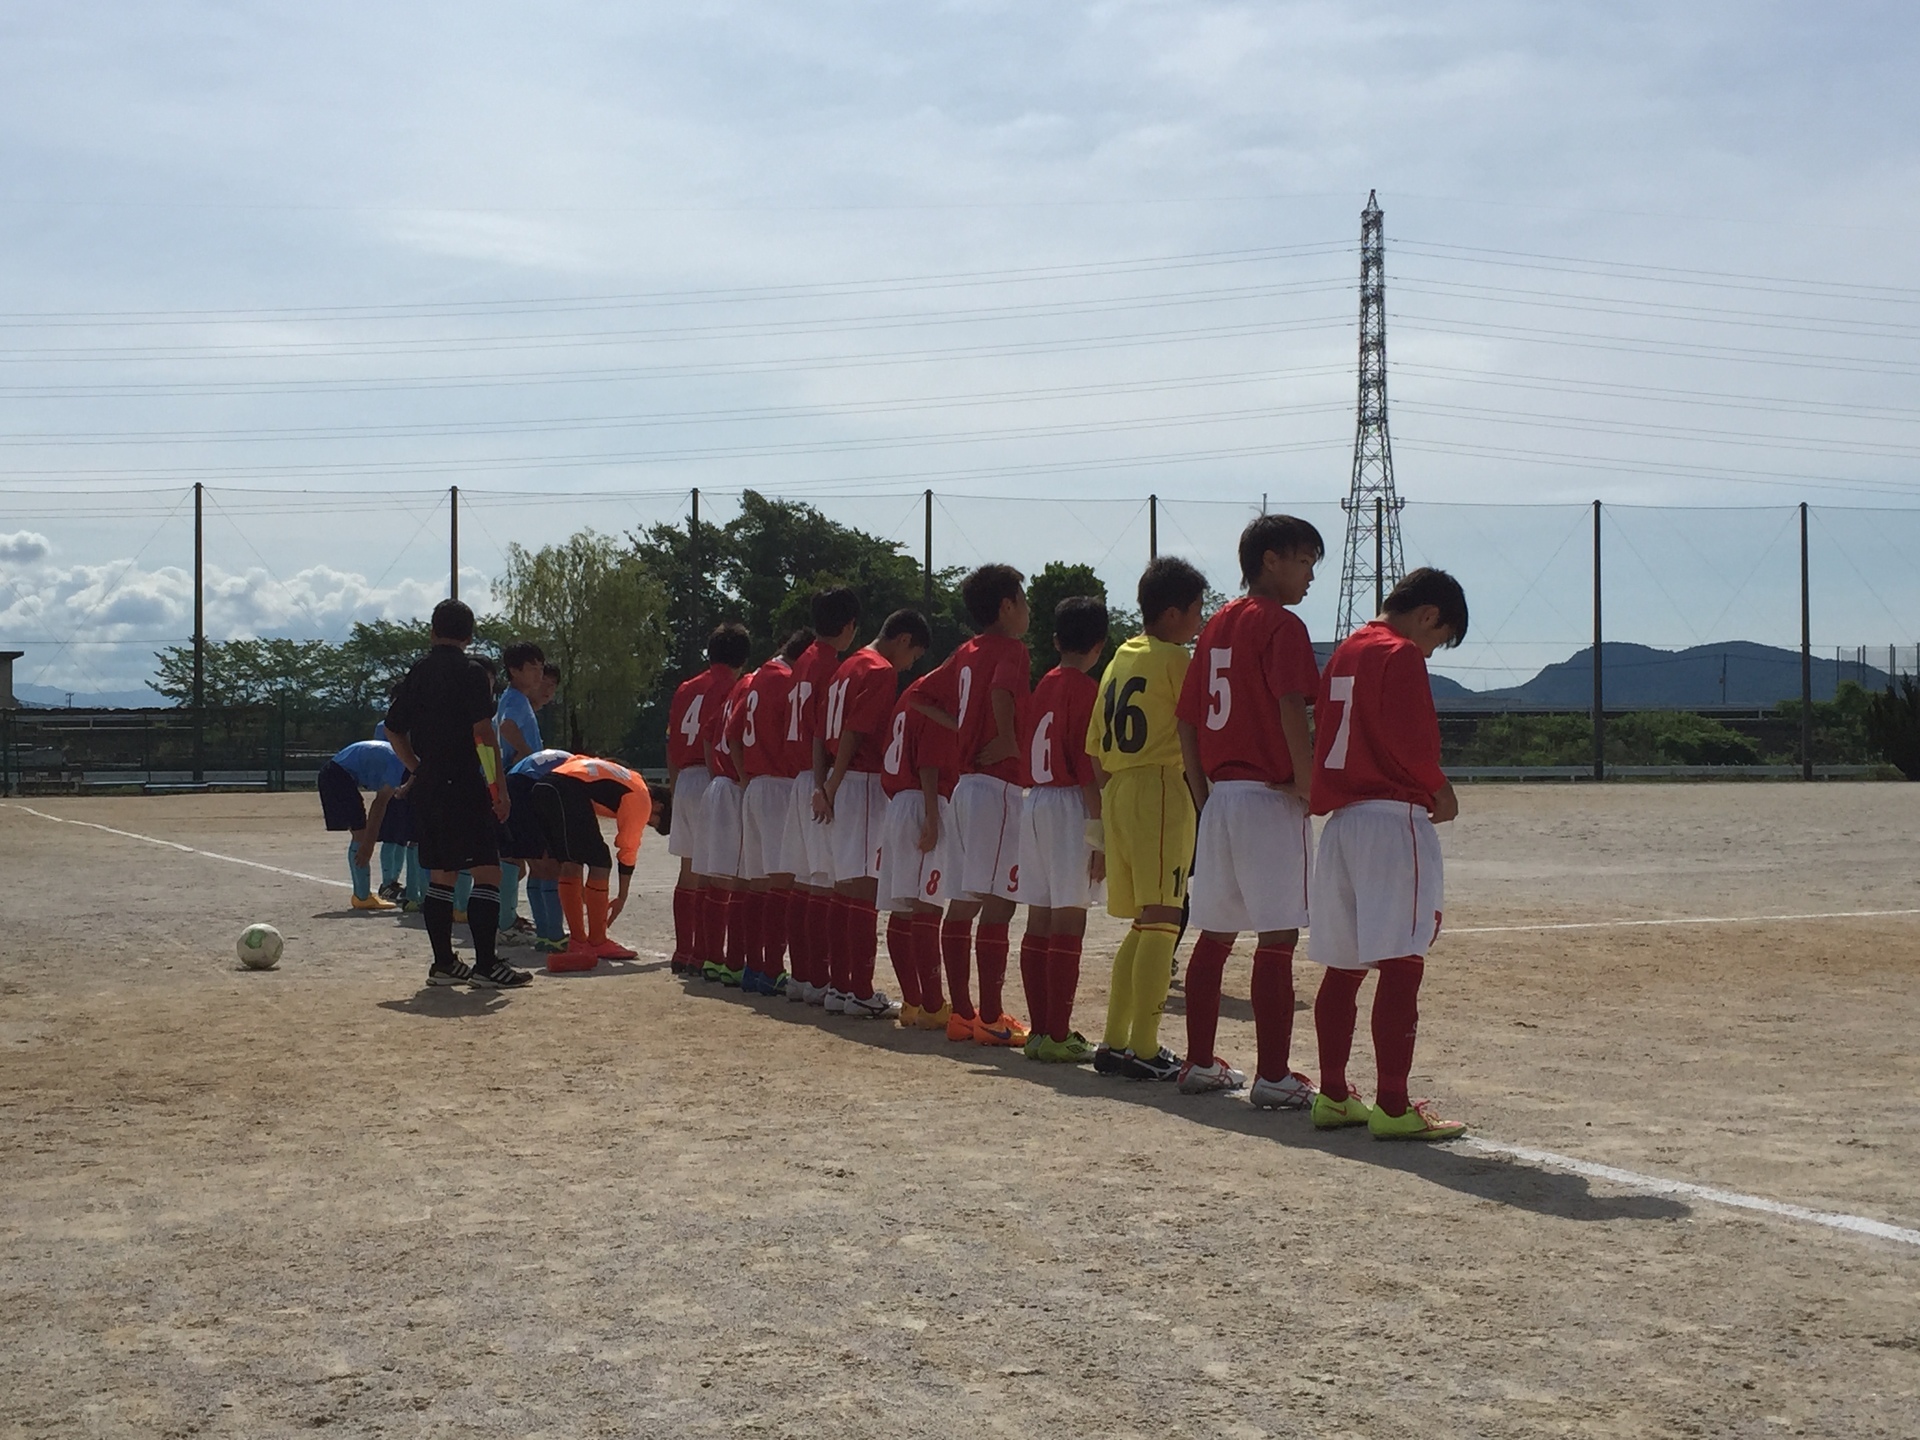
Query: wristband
[(1096, 834)]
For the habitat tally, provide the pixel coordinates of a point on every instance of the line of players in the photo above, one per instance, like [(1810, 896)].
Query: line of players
[(811, 792)]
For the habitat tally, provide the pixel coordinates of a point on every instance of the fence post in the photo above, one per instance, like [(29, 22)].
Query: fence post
[(1153, 527), (1599, 693), (6, 751), (1806, 657), (926, 596), (453, 542), (199, 638)]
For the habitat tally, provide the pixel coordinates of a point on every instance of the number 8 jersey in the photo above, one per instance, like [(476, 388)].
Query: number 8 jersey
[(1132, 724), (1376, 736)]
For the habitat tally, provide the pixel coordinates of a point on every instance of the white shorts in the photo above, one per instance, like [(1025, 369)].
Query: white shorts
[(907, 872), (986, 814), (719, 852), (1252, 861), (804, 852), (859, 816), (683, 839), (1377, 892), (763, 826), (1054, 853)]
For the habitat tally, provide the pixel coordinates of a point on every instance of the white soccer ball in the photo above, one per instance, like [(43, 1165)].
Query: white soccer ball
[(259, 947)]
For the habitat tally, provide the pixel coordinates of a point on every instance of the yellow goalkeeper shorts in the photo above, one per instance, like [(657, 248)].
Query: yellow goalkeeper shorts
[(1150, 832)]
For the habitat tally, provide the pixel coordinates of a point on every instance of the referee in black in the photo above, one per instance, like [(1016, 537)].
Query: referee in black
[(441, 724)]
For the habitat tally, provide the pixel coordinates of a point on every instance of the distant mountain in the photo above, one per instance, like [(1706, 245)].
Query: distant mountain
[(46, 697), (1734, 672)]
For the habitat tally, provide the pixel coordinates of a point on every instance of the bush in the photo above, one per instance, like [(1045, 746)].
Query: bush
[(1893, 725)]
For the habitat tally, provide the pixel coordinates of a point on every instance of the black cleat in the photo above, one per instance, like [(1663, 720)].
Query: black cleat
[(1164, 1066), (500, 976), (1111, 1062), (460, 974)]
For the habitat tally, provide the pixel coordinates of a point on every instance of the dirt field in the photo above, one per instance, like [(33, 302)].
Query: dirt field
[(252, 1205)]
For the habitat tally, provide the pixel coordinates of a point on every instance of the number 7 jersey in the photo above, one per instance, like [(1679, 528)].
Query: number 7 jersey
[(1132, 724), (1376, 736)]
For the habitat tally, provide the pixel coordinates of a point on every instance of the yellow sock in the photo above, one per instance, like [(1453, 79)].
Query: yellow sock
[(1120, 994), (1152, 975)]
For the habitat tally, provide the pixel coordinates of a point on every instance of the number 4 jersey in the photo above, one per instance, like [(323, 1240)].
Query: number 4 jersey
[(1376, 736), (1249, 655), (1132, 725)]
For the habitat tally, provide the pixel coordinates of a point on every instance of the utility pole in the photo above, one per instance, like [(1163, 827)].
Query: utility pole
[(1806, 658), (1599, 705), (699, 574), (1374, 559), (1153, 527), (453, 542), (199, 638), (926, 587)]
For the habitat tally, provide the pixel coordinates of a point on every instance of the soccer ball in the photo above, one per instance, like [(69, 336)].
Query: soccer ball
[(259, 947)]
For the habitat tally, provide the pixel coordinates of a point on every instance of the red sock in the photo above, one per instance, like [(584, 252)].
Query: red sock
[(713, 910), (1033, 979), (742, 923), (686, 910), (990, 945), (1334, 1011), (956, 950), (1063, 983), (820, 936), (906, 965), (1396, 1020), (863, 931), (1272, 1009), (926, 955), (773, 931), (840, 957), (1204, 970)]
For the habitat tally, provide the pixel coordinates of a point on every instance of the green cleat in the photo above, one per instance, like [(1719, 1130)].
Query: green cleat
[(1032, 1048), (1076, 1049), (717, 972), (1329, 1114), (1421, 1122)]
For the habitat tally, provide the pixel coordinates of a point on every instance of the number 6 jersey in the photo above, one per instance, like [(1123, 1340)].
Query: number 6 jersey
[(1132, 725), (1376, 736)]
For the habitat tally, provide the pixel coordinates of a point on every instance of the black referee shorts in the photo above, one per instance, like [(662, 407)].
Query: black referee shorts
[(454, 822), (567, 821)]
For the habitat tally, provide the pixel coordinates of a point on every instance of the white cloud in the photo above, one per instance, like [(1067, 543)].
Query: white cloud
[(24, 547)]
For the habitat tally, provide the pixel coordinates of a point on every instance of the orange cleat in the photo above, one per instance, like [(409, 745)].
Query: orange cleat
[(959, 1027), (1005, 1030)]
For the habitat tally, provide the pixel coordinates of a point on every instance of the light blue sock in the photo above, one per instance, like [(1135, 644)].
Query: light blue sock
[(544, 896), (392, 857), (361, 875), (462, 891), (416, 877), (509, 896)]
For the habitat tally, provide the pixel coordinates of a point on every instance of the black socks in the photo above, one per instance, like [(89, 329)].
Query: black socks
[(483, 918), (436, 911)]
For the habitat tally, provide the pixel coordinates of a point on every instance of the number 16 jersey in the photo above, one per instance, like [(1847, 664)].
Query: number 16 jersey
[(1132, 724)]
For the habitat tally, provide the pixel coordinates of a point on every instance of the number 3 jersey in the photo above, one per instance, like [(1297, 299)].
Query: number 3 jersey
[(1132, 725), (1376, 736), (1249, 655)]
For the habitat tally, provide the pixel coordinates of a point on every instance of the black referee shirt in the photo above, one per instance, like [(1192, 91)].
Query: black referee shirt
[(436, 706)]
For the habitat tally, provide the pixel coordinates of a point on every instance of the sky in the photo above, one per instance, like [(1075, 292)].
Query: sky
[(581, 260)]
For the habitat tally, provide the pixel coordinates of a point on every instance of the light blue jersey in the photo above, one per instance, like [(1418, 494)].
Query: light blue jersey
[(515, 706), (373, 765), (541, 762)]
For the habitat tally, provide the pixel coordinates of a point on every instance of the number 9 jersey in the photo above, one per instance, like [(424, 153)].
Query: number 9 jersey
[(1132, 724)]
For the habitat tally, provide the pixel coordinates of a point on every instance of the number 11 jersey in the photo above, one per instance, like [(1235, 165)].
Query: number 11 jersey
[(1132, 725), (1376, 736)]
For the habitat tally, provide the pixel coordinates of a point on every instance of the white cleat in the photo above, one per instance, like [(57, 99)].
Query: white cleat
[(835, 1001), (1290, 1092), (875, 1006), (1204, 1079)]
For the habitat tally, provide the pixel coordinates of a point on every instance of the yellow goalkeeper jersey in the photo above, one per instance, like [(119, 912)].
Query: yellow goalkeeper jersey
[(1132, 724)]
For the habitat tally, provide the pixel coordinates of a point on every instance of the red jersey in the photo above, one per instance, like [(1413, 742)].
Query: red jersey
[(812, 673), (687, 715), (915, 742), (714, 730), (859, 700), (1053, 735), (1377, 735), (982, 665), (1252, 652), (754, 732)]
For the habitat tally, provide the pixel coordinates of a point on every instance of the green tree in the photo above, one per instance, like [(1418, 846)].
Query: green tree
[(1893, 725), (1061, 580), (601, 615)]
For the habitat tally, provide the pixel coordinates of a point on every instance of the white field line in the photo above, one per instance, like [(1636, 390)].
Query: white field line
[(186, 849), (1628, 1179), (1654, 1185), (1682, 920)]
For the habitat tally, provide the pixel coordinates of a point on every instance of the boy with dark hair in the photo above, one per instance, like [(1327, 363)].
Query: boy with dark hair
[(810, 909), (1249, 759), (919, 861), (987, 680), (850, 805), (756, 737), (1377, 884), (1148, 814), (1059, 861), (441, 726), (687, 781), (369, 765), (568, 799)]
